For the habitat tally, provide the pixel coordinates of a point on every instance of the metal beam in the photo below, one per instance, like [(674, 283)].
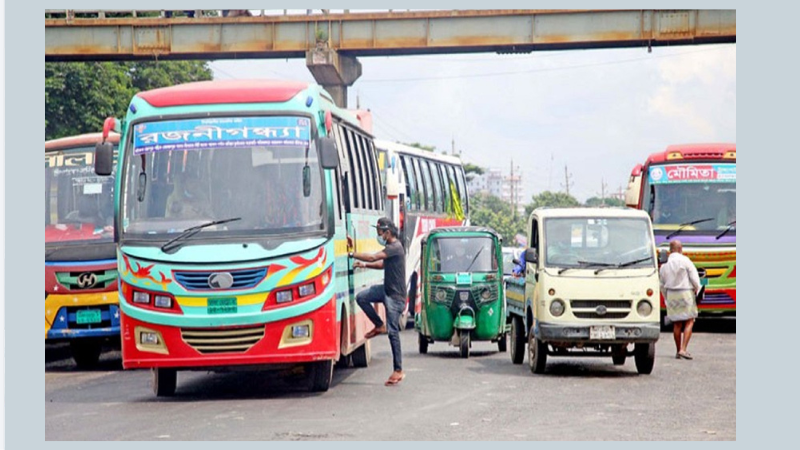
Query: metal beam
[(380, 34)]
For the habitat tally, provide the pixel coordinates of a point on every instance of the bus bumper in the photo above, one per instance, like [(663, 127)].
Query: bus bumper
[(61, 316), (146, 345)]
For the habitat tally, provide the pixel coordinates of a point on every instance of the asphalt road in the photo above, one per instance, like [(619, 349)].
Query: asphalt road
[(443, 397)]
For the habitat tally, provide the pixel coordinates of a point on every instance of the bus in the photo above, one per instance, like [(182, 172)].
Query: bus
[(234, 202), (690, 193), (80, 291), (424, 190)]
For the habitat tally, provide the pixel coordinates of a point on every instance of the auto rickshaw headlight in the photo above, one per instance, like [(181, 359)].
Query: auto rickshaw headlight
[(486, 294), (441, 295), (644, 308), (556, 308)]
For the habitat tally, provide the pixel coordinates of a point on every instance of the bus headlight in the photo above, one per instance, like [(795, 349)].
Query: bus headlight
[(283, 296), (556, 308), (644, 308), (307, 289), (162, 301), (141, 297)]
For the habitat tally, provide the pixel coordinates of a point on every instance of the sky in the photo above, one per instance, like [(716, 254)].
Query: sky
[(596, 113)]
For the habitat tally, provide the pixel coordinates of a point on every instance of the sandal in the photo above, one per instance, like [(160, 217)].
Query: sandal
[(392, 381), (685, 355), (374, 332)]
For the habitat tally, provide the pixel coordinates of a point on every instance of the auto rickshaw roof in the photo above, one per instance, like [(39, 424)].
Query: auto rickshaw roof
[(437, 232)]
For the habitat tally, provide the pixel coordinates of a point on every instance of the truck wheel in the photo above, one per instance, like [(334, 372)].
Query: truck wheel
[(85, 352), (423, 344), (618, 354), (502, 344), (362, 356), (537, 353), (517, 341), (164, 382), (463, 343), (645, 357), (321, 375)]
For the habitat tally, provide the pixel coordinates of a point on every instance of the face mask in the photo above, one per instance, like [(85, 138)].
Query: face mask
[(381, 240)]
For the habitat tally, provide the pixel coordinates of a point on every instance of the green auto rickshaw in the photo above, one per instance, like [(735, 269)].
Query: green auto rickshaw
[(462, 289)]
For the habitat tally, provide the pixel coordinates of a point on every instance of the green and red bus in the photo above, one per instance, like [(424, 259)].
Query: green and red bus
[(690, 193), (234, 201)]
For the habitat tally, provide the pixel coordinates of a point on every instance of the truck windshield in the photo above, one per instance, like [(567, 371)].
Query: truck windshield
[(78, 205), (183, 173), (465, 254), (598, 242)]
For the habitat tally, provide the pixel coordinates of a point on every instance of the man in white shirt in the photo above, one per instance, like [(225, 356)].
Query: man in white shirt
[(680, 284)]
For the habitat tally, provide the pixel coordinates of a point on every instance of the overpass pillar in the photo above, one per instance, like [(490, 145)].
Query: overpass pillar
[(333, 71)]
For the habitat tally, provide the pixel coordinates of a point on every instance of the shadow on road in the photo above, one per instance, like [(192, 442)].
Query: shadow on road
[(726, 325), (58, 359)]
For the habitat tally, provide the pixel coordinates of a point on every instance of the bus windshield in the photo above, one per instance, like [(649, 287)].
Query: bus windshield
[(466, 254), (78, 205), (263, 172), (598, 242), (680, 194)]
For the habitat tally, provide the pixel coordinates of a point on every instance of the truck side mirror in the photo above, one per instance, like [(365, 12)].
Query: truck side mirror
[(531, 256), (663, 256), (328, 155), (103, 159)]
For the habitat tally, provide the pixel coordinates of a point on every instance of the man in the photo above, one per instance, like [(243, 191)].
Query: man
[(189, 200), (391, 293), (680, 283)]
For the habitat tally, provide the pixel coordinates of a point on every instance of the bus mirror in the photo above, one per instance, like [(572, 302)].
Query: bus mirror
[(306, 181), (103, 159), (531, 256), (328, 155), (663, 256)]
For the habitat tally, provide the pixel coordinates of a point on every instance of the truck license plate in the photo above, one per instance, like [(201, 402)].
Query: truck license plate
[(604, 332)]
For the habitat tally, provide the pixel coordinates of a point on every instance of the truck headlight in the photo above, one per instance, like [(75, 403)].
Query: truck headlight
[(644, 308), (556, 308)]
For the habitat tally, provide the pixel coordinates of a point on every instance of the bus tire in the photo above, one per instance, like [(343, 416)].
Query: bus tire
[(517, 340), (645, 356), (321, 375), (164, 382), (537, 353), (85, 352), (362, 356)]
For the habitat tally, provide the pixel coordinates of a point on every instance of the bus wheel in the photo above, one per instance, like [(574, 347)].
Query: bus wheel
[(537, 353), (423, 344), (321, 375), (463, 343), (362, 356), (85, 352), (645, 357), (502, 345), (618, 354), (164, 382), (517, 340)]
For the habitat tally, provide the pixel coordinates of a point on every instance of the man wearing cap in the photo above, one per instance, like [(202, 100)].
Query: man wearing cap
[(392, 259)]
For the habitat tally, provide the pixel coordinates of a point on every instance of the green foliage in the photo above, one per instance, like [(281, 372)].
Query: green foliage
[(79, 96), (472, 168), (599, 202), (490, 211), (552, 200)]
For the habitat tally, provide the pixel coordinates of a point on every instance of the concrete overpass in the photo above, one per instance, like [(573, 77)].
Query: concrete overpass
[(331, 43)]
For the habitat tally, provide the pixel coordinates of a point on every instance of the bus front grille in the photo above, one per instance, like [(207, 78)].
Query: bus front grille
[(227, 340)]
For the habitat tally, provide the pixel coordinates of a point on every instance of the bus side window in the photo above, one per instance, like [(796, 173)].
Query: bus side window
[(427, 204), (372, 171), (462, 188), (356, 170), (408, 178), (347, 181), (380, 182), (419, 194), (450, 181), (367, 175), (437, 186)]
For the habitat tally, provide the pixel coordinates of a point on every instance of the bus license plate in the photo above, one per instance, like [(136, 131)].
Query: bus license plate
[(222, 306), (604, 332), (85, 316)]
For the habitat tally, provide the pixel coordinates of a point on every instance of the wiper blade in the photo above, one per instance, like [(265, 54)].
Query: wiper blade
[(474, 259), (584, 264), (636, 261), (684, 225), (730, 227), (175, 243)]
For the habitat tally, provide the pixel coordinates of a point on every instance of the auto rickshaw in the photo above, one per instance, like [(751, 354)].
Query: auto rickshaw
[(462, 289)]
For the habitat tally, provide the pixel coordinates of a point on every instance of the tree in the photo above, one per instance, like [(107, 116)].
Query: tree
[(79, 96), (552, 200), (599, 202), (471, 170), (490, 211)]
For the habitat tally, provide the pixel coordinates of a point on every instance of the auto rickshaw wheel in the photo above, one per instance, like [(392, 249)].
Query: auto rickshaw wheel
[(517, 341), (502, 345), (463, 343), (423, 343), (164, 382), (537, 353)]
